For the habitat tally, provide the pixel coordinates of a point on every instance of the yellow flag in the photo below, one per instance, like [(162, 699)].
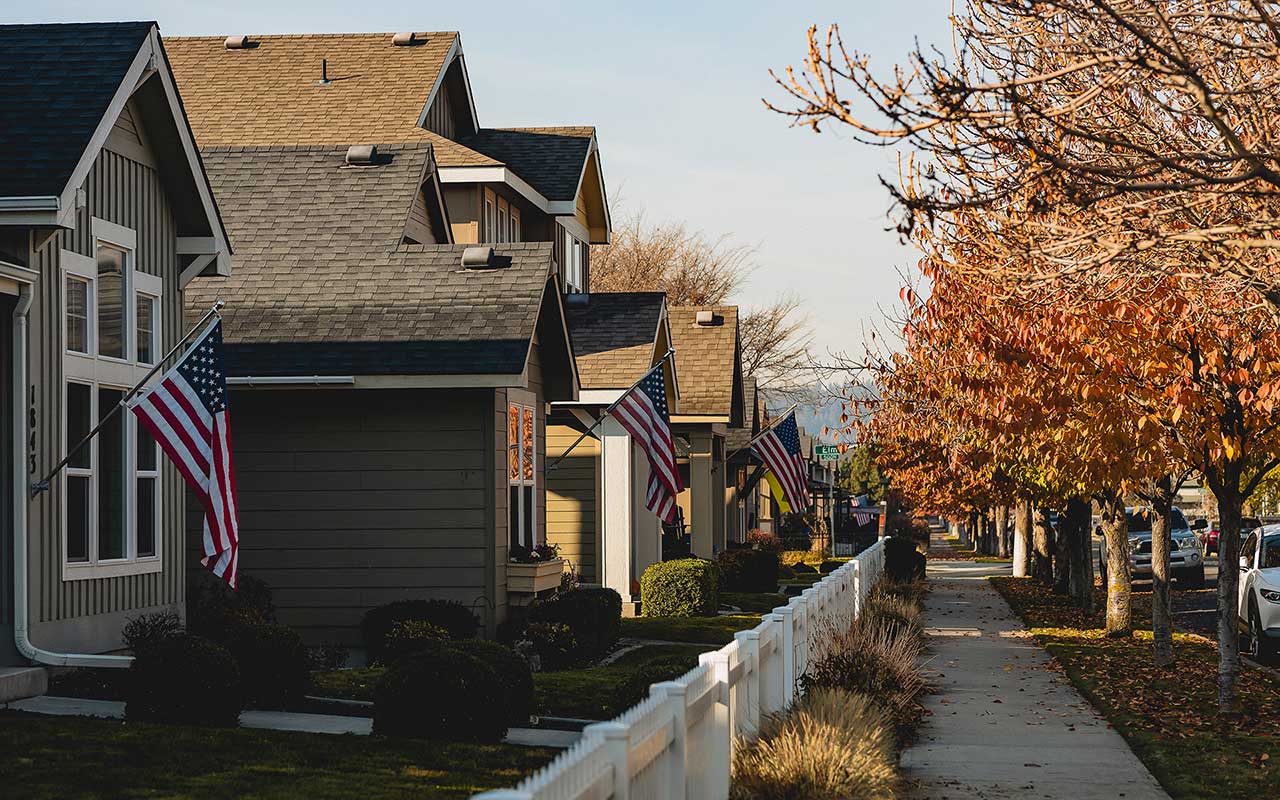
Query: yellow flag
[(778, 494)]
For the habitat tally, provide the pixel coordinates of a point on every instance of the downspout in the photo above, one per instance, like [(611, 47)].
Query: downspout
[(21, 501)]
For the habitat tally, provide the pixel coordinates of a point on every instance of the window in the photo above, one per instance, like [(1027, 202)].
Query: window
[(514, 236), (573, 271), (112, 491), (77, 290), (490, 208), (522, 475), (502, 223)]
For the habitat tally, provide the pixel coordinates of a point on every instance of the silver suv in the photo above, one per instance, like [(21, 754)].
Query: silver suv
[(1186, 561)]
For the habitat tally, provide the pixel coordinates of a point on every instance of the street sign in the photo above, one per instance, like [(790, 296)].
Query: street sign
[(827, 452)]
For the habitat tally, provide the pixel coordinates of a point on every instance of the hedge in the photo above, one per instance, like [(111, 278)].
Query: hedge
[(184, 679), (685, 588), (440, 692), (454, 617), (748, 571)]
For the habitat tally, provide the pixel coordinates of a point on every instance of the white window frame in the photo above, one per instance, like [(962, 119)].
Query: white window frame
[(525, 401), (490, 207), (572, 261), (513, 220), (502, 223), (99, 372)]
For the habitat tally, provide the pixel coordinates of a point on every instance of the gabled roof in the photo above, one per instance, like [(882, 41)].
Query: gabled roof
[(708, 359), (269, 92), (59, 81), (299, 202), (62, 89), (738, 437), (551, 160), (615, 335)]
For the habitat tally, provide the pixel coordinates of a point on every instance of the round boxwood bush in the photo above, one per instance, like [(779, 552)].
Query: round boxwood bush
[(274, 669), (408, 636), (454, 617), (440, 692), (685, 588), (748, 571), (513, 672), (594, 616), (553, 643), (902, 561), (184, 679)]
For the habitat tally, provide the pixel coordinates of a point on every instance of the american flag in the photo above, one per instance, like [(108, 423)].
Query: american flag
[(779, 449), (186, 412), (643, 412), (861, 517)]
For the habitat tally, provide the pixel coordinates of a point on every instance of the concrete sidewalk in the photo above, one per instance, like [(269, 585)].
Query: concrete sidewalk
[(1003, 724)]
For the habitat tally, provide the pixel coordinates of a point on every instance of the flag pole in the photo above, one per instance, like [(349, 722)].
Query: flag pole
[(756, 438), (43, 485), (552, 465)]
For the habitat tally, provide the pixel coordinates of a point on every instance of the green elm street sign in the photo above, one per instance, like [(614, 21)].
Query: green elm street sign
[(827, 452)]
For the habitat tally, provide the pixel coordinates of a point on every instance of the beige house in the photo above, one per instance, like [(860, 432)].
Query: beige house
[(105, 217)]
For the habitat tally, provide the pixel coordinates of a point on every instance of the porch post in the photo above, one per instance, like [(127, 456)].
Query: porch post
[(703, 496), (617, 562)]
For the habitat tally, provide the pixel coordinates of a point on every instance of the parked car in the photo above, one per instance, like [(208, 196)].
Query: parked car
[(1259, 616), (1186, 562), (1210, 537)]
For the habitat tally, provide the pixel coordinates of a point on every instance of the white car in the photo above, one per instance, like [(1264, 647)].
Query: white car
[(1259, 617)]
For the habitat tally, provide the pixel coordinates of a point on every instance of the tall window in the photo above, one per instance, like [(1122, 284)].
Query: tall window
[(574, 268), (490, 210), (502, 222), (514, 236), (522, 475), (112, 486)]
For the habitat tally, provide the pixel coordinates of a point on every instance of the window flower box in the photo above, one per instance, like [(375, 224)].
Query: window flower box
[(535, 577)]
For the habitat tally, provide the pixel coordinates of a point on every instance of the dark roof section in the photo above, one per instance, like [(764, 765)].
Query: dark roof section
[(550, 159), (613, 335), (478, 357), (297, 201), (58, 81), (737, 438)]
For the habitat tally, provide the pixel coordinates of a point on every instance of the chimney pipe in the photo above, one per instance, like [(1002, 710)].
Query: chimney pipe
[(324, 72)]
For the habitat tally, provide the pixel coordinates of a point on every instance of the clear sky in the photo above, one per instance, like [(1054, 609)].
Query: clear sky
[(674, 89)]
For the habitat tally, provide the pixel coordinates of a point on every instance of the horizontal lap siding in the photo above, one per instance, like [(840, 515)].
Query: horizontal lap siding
[(353, 498), (127, 193), (571, 499)]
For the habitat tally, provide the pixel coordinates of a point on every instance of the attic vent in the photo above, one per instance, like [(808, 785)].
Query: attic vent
[(362, 154), (404, 39), (482, 258), (708, 318), (236, 42)]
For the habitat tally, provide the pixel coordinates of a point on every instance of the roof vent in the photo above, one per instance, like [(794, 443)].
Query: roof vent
[(236, 42), (404, 39), (477, 258), (708, 318), (362, 154)]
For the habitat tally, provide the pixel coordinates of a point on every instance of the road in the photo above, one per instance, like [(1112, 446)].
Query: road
[(1193, 610)]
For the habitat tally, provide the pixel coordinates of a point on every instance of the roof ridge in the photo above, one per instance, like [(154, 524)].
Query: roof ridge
[(305, 148), (279, 36)]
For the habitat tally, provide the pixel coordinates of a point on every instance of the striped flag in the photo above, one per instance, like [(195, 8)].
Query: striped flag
[(861, 517), (643, 412), (186, 412), (779, 449)]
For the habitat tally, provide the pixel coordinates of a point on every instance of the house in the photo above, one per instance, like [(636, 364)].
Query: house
[(709, 363), (596, 492), (389, 387), (105, 217), (499, 185), (357, 175), (744, 497)]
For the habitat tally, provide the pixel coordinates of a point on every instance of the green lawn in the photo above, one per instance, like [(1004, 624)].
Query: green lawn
[(701, 630), (1168, 716), (601, 692), (62, 757), (755, 602), (351, 684)]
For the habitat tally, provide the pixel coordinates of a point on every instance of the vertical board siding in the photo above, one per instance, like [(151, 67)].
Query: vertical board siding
[(352, 498), (572, 501), (127, 193)]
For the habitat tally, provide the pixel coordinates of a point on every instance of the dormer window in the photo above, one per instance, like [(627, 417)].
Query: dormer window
[(573, 270)]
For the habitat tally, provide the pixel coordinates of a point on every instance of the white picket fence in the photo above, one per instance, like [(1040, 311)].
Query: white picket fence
[(678, 743)]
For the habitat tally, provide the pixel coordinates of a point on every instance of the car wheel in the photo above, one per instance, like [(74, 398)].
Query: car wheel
[(1261, 647)]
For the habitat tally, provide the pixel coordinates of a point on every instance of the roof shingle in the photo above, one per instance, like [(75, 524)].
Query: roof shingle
[(550, 159), (58, 81), (614, 335), (706, 360)]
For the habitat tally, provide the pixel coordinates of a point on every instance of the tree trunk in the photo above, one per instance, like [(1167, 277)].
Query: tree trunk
[(1230, 506), (1115, 531), (990, 529), (1022, 539), (1042, 539), (1002, 531), (1061, 559), (1161, 529), (1076, 529)]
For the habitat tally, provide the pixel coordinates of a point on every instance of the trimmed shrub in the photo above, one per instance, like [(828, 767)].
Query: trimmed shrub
[(832, 744), (792, 557), (274, 668), (553, 643), (764, 540), (594, 616), (213, 610), (454, 617), (664, 668), (440, 692), (902, 561), (513, 673), (407, 636), (148, 630), (685, 588), (748, 571), (184, 679)]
